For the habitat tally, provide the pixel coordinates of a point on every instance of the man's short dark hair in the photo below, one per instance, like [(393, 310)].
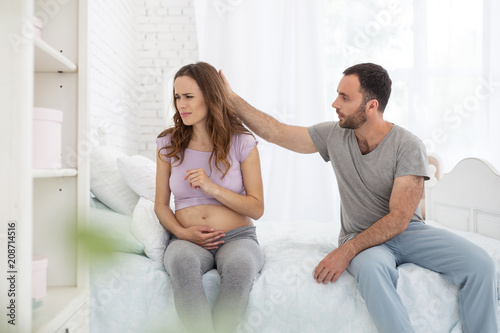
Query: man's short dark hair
[(375, 82)]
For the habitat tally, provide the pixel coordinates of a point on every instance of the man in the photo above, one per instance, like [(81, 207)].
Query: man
[(380, 169)]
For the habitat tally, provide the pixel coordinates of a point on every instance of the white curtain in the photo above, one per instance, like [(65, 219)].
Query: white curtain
[(272, 53), (444, 60), (287, 57)]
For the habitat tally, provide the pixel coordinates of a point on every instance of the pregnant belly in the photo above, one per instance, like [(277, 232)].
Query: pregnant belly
[(218, 217)]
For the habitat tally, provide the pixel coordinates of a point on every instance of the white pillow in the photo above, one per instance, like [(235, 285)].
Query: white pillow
[(107, 183), (139, 173), (148, 230), (114, 228)]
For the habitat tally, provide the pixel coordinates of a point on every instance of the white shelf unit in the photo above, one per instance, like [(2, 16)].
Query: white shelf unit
[(60, 197), (49, 60), (51, 173), (49, 206)]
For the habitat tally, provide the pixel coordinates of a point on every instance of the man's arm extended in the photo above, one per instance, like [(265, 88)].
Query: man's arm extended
[(406, 193), (294, 138)]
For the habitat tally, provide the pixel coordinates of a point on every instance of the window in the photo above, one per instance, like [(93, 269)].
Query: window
[(438, 54)]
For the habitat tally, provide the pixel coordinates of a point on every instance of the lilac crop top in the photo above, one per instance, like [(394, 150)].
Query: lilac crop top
[(184, 195)]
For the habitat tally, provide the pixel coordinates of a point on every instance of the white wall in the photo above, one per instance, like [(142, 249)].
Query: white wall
[(135, 46), (166, 41), (113, 73)]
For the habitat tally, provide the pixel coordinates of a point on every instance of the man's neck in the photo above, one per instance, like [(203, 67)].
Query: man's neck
[(370, 137)]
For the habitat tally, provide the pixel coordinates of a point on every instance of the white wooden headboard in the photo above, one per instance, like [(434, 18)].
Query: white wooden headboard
[(467, 198)]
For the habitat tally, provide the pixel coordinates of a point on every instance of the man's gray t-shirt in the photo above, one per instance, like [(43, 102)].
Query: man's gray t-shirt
[(365, 181)]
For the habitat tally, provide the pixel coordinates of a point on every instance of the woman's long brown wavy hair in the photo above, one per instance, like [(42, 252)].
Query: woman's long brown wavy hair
[(222, 120)]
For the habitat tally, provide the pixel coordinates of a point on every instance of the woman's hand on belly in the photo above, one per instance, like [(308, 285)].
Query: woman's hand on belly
[(203, 236)]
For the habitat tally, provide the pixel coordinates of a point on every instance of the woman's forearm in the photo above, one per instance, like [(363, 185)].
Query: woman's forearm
[(168, 220), (245, 205)]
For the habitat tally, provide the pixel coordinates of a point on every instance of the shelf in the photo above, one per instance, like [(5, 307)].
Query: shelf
[(57, 307), (48, 59), (52, 173)]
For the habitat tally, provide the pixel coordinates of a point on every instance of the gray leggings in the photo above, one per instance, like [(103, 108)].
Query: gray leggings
[(238, 261)]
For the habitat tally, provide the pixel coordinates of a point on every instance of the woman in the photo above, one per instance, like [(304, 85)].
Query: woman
[(210, 162)]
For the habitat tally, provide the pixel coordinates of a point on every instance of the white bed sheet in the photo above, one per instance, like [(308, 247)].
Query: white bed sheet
[(134, 294)]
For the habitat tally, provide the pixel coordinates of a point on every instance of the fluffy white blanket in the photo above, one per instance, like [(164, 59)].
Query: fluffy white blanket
[(133, 293)]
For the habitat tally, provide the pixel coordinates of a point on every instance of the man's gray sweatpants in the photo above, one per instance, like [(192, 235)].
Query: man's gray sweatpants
[(461, 262)]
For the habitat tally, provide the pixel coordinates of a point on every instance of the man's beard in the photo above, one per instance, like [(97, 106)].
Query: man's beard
[(355, 120)]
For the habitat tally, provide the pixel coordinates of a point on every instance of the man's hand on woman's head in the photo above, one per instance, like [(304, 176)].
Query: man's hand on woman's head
[(229, 91)]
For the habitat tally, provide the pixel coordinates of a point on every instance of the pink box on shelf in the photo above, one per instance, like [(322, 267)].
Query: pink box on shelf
[(38, 26), (47, 128), (39, 277)]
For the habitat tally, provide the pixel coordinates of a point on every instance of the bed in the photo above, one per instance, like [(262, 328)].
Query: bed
[(131, 292)]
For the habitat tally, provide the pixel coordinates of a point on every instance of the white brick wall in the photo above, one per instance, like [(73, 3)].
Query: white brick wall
[(166, 41), (136, 46), (114, 75)]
